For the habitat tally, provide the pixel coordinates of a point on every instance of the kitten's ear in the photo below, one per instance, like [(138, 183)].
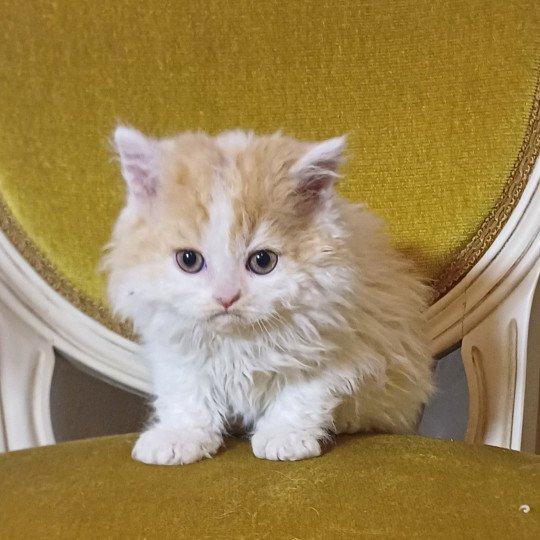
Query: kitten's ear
[(139, 162), (318, 169)]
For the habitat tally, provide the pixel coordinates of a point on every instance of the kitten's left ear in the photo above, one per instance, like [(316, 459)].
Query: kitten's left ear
[(317, 170)]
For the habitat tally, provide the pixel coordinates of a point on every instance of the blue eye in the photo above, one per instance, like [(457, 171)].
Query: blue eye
[(189, 260), (262, 262)]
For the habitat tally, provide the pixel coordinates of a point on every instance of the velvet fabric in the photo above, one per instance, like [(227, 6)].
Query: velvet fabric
[(363, 486), (436, 98)]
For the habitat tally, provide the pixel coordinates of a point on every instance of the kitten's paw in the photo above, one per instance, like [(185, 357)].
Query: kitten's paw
[(165, 447), (285, 445)]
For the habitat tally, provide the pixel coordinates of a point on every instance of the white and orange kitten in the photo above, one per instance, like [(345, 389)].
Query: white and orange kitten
[(264, 301)]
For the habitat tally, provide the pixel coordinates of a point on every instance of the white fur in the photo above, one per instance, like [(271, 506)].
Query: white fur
[(234, 141), (329, 153), (337, 346), (224, 276)]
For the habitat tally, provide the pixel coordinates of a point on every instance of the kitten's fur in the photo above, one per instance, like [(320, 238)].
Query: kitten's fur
[(331, 341)]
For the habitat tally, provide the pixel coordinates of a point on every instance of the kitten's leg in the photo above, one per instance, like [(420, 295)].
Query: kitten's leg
[(178, 442), (187, 426), (294, 425)]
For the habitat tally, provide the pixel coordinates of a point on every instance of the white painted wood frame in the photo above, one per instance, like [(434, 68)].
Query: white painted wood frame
[(488, 312)]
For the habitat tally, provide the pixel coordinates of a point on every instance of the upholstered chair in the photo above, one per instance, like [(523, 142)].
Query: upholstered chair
[(441, 105)]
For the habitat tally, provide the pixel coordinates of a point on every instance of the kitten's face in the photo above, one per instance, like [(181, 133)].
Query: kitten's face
[(232, 232)]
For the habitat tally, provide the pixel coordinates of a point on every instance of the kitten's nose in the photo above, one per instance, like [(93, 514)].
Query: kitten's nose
[(229, 301)]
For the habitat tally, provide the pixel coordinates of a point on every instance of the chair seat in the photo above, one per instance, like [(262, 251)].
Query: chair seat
[(365, 485)]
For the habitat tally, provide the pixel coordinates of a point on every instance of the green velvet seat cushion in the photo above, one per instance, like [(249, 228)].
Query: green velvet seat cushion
[(386, 486)]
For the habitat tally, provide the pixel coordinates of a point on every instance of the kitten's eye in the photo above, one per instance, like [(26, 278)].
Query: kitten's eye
[(189, 260), (262, 262)]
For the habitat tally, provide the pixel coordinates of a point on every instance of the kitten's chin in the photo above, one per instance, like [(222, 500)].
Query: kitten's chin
[(228, 322)]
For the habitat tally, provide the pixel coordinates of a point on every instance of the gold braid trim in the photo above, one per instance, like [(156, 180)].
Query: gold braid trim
[(444, 282), (498, 216), (48, 271)]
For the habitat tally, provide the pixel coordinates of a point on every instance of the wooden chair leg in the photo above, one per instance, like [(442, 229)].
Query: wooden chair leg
[(503, 376), (26, 368)]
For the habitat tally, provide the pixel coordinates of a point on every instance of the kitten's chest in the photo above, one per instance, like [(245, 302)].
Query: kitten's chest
[(241, 387)]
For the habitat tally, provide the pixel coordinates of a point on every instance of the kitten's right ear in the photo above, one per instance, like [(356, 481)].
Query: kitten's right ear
[(139, 162), (317, 170)]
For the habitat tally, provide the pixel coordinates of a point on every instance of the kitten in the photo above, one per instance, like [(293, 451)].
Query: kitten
[(262, 298)]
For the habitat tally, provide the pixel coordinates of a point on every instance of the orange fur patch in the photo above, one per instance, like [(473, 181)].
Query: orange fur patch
[(255, 176)]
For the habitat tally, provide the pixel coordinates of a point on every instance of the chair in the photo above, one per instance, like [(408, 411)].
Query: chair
[(441, 103)]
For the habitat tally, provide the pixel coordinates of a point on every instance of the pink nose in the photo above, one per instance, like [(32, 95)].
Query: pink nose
[(228, 302)]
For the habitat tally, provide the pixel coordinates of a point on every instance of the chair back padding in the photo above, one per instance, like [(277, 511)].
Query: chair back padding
[(439, 101)]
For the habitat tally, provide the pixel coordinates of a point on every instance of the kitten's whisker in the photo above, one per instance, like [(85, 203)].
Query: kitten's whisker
[(266, 330)]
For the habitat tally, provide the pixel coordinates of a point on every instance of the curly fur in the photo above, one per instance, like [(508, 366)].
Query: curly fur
[(332, 340)]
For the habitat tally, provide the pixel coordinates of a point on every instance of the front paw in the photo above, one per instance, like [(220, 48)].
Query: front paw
[(159, 446), (285, 445)]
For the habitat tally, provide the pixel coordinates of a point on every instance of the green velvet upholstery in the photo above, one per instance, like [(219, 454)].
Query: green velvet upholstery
[(381, 486)]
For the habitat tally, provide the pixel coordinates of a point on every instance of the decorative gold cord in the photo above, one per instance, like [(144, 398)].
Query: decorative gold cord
[(50, 273), (454, 272), (458, 268)]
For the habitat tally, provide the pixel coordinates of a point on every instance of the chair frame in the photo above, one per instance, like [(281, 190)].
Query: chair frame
[(494, 312)]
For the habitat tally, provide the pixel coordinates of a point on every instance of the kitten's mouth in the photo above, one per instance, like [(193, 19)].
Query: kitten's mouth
[(231, 315), (227, 321)]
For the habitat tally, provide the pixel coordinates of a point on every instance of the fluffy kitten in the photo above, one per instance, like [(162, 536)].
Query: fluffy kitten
[(262, 298)]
